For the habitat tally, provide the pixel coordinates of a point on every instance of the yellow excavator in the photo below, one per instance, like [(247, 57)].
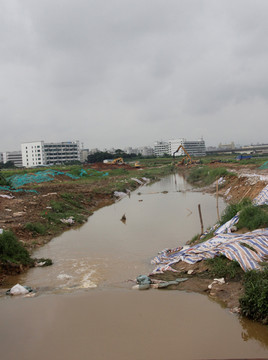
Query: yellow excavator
[(118, 161), (182, 162)]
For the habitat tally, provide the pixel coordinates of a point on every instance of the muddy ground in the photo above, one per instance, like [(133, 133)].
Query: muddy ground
[(25, 207)]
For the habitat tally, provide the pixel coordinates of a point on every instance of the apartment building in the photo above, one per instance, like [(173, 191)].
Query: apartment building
[(39, 153)]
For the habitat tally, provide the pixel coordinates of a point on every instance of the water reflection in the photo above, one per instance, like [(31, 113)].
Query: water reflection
[(254, 331)]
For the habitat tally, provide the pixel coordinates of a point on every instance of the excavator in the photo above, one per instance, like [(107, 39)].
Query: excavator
[(182, 162), (118, 161)]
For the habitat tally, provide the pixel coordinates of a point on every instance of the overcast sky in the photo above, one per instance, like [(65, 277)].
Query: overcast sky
[(119, 73)]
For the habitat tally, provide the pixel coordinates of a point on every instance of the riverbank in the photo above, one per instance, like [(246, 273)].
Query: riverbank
[(237, 184), (38, 211), (64, 203)]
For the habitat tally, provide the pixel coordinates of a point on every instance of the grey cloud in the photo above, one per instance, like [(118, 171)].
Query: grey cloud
[(86, 68)]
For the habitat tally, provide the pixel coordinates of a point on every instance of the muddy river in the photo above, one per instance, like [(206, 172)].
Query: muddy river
[(85, 307)]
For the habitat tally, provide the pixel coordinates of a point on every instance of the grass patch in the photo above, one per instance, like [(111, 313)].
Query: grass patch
[(250, 216), (254, 302), (36, 228), (204, 175), (232, 209), (220, 266), (73, 200), (11, 250), (63, 210), (253, 217), (193, 240)]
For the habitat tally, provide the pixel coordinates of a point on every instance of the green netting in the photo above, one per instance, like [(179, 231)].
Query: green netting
[(8, 188), (38, 177), (264, 166), (48, 175)]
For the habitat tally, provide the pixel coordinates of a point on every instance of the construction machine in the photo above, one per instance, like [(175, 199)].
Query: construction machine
[(182, 162), (118, 161)]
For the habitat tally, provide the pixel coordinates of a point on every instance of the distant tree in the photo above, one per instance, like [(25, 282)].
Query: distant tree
[(7, 165)]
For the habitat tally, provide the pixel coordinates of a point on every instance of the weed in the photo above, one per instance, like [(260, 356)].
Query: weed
[(253, 217), (254, 302), (64, 210), (11, 250), (220, 266), (4, 181), (204, 175), (73, 200), (37, 228), (232, 209), (194, 239)]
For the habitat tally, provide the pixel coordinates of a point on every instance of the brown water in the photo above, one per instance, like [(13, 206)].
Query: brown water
[(85, 306)]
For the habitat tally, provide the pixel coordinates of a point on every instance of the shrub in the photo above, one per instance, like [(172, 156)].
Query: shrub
[(11, 250), (254, 302)]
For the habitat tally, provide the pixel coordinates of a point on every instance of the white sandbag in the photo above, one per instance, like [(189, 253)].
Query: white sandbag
[(18, 290)]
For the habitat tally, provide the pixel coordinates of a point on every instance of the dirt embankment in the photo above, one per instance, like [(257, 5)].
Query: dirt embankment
[(247, 183), (20, 208)]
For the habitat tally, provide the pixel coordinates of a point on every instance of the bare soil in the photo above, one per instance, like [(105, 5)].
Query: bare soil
[(227, 294)]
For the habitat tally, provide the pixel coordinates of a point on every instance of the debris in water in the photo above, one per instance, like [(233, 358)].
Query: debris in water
[(19, 290), (124, 219)]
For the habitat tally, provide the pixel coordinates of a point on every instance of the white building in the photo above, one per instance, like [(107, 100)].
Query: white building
[(173, 146), (161, 148), (39, 153), (33, 154), (14, 156), (83, 155), (194, 148)]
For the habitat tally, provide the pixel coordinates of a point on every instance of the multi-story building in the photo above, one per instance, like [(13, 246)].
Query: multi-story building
[(83, 155), (1, 157), (33, 154), (173, 146), (227, 146), (194, 148), (161, 148), (146, 151), (39, 153), (60, 153), (14, 156)]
